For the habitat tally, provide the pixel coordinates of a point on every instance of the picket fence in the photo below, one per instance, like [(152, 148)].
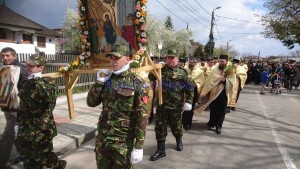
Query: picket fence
[(59, 60)]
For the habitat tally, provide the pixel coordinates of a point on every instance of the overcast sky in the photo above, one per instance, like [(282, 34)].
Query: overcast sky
[(243, 35)]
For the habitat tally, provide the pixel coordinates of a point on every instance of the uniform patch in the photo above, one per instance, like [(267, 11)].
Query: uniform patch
[(126, 92)]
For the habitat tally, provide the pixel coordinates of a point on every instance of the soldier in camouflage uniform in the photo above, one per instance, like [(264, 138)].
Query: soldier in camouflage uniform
[(36, 123), (122, 123), (178, 94)]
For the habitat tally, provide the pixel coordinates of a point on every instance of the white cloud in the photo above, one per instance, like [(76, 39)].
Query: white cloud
[(227, 29)]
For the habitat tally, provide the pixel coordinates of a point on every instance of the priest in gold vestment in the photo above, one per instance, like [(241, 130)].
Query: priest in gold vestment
[(217, 88), (241, 77)]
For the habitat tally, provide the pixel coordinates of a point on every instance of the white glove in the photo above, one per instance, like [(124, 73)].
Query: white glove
[(16, 128), (103, 75), (187, 107), (136, 156)]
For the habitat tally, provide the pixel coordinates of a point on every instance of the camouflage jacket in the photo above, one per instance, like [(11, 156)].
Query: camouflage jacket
[(124, 99), (177, 87), (38, 99)]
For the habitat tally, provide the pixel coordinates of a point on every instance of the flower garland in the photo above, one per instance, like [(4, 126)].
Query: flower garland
[(85, 44), (230, 70), (140, 31)]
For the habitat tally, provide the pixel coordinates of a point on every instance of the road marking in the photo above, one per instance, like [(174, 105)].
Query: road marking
[(283, 151)]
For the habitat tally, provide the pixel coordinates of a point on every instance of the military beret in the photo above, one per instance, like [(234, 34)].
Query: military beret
[(118, 51), (36, 60)]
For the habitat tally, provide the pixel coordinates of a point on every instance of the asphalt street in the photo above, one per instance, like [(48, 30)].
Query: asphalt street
[(263, 133)]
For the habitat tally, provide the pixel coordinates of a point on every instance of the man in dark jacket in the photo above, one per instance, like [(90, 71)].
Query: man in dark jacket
[(9, 57)]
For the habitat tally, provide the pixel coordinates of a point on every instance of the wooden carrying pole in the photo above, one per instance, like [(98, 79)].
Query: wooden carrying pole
[(148, 65), (71, 79)]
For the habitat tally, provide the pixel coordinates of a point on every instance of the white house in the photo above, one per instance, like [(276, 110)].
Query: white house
[(23, 34)]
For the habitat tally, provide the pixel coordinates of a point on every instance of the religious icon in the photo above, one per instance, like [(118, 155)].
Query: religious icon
[(6, 86)]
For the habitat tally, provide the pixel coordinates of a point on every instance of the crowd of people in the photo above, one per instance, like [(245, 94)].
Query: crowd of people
[(267, 73), (187, 86)]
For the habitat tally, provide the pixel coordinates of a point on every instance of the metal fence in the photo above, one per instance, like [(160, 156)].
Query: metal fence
[(59, 60)]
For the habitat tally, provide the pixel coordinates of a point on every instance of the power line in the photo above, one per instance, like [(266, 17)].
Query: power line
[(237, 19), (187, 12), (193, 10), (171, 12), (241, 33), (232, 26), (219, 33), (178, 16), (202, 7)]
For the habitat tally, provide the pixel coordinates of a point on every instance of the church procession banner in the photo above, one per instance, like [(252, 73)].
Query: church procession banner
[(104, 23)]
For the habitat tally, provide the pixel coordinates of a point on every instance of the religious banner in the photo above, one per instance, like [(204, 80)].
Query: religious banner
[(6, 86), (109, 22)]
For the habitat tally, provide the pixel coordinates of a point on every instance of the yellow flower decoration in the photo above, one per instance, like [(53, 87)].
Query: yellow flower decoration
[(144, 1), (136, 21), (143, 13)]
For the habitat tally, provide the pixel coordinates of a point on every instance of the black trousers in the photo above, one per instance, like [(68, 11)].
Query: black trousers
[(239, 91), (218, 110), (187, 116)]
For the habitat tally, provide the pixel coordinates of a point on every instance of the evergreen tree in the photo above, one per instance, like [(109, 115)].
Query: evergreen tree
[(199, 52), (168, 23)]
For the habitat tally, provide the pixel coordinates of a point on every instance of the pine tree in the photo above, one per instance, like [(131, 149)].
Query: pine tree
[(199, 53), (168, 23)]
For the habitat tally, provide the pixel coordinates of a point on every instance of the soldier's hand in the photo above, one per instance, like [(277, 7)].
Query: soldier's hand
[(16, 128), (187, 106), (136, 156), (103, 75)]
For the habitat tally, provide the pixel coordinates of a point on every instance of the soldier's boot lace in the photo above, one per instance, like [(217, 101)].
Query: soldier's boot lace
[(61, 164), (179, 145), (160, 152)]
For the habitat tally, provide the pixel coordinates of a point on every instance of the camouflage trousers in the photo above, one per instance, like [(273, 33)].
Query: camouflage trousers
[(113, 155), (37, 152), (165, 117)]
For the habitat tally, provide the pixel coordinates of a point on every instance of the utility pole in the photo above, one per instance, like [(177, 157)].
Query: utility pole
[(211, 43), (227, 46)]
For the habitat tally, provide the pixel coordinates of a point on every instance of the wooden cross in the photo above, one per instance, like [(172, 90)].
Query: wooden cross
[(70, 79)]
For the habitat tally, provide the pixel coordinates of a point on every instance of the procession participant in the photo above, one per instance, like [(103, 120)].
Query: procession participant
[(203, 66), (182, 62), (209, 67), (215, 93), (244, 64), (197, 75), (9, 58), (36, 123), (241, 77), (176, 86), (122, 123), (215, 61)]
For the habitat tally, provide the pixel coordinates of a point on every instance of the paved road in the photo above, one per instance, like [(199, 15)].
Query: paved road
[(264, 133)]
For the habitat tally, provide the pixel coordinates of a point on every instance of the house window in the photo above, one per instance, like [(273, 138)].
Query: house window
[(27, 37), (2, 34), (41, 41)]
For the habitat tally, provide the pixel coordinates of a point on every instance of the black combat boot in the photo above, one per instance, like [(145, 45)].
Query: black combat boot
[(160, 152), (61, 164), (179, 145)]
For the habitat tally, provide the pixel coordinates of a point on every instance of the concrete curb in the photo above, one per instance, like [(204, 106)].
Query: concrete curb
[(63, 142)]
